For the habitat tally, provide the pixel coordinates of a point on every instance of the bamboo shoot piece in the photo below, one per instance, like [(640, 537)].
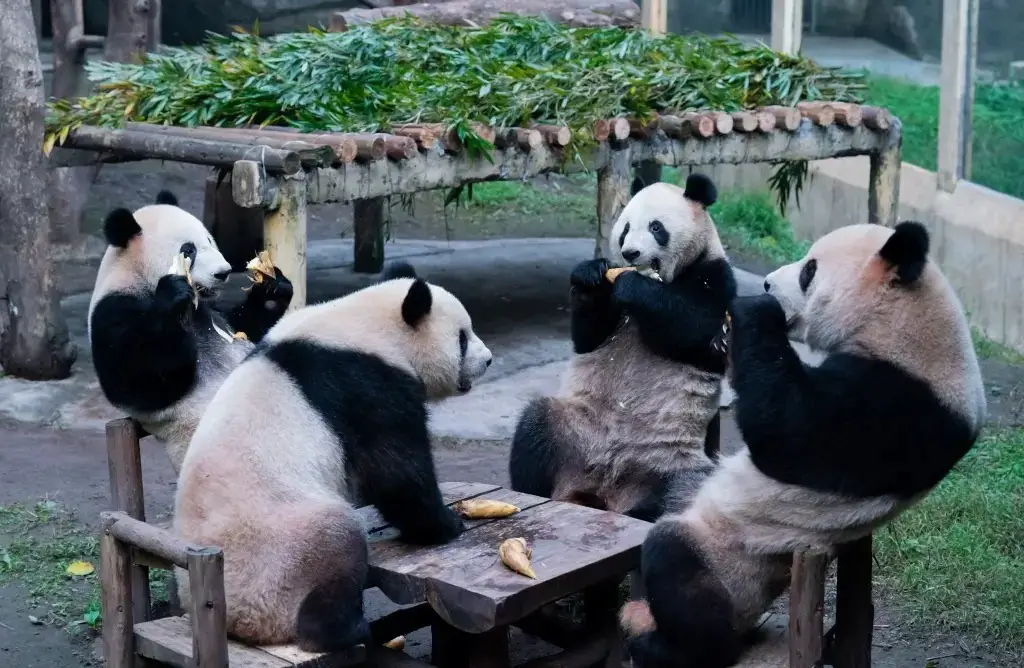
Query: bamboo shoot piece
[(261, 266), (515, 554), (480, 509)]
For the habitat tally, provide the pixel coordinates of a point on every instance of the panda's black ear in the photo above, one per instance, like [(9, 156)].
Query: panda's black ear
[(397, 269), (700, 189), (120, 227), (166, 197), (906, 251), (417, 303)]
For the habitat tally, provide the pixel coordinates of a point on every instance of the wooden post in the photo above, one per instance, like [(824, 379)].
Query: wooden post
[(884, 180), (127, 30), (209, 609), (600, 609), (237, 229), (154, 21), (956, 96), (284, 233), (368, 231), (124, 461), (855, 614), (654, 16), (612, 194), (787, 25), (807, 609), (116, 599)]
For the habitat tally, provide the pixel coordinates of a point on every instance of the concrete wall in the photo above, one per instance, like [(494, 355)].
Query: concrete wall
[(977, 233)]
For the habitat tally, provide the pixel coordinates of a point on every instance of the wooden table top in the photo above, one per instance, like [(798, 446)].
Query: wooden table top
[(574, 547)]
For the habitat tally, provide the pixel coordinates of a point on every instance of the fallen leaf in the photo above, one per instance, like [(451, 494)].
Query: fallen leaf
[(80, 568)]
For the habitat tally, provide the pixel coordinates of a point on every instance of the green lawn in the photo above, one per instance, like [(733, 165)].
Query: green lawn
[(997, 129), (957, 559)]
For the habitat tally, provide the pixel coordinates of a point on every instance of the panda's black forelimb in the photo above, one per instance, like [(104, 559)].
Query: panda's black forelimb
[(679, 319), (853, 425), (379, 414), (594, 316), (533, 460), (143, 350), (264, 305), (691, 608)]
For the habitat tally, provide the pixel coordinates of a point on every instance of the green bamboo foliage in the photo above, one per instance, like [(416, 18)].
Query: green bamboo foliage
[(507, 73)]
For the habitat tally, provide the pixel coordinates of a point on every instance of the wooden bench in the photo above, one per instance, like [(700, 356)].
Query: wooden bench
[(460, 590)]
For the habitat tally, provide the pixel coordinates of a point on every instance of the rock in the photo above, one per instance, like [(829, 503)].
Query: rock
[(187, 21), (840, 17)]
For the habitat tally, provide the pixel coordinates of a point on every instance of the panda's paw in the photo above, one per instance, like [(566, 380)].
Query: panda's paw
[(273, 294), (589, 275), (762, 313), (173, 293), (445, 528)]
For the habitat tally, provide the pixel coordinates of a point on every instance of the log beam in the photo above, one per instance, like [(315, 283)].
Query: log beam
[(430, 171), (576, 13)]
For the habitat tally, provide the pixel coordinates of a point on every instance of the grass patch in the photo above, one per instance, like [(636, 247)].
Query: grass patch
[(988, 349), (997, 133), (958, 558), (37, 542), (752, 223)]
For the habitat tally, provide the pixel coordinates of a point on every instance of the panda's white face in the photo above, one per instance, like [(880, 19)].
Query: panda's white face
[(447, 354), (168, 230), (662, 230)]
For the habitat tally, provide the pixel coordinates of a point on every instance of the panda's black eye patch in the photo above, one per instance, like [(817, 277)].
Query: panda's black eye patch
[(463, 343), (659, 232), (622, 237), (807, 274), (188, 249)]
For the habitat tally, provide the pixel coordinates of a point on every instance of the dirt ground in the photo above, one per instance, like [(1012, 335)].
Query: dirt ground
[(69, 468)]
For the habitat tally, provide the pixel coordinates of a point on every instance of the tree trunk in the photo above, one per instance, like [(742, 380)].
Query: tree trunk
[(69, 186), (34, 341), (128, 29)]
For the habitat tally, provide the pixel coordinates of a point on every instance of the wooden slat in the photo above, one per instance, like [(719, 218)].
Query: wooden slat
[(573, 547), (772, 648), (169, 640)]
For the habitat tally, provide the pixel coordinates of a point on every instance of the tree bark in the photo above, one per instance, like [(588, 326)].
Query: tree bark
[(34, 342), (69, 186), (128, 29), (579, 13)]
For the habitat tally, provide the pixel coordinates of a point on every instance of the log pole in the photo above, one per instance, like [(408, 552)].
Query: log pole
[(368, 223), (613, 185), (284, 233), (884, 180)]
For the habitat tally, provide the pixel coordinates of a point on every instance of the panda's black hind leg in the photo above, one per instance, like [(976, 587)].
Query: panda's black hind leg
[(331, 617), (533, 460), (691, 607)]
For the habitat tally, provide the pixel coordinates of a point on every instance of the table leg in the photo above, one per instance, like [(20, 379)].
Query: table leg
[(452, 648), (601, 607)]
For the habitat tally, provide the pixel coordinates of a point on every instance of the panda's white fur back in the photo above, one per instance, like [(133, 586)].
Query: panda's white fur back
[(328, 408)]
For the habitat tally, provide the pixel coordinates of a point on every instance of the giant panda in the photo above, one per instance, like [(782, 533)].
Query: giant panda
[(626, 432), (159, 356), (328, 409), (832, 452)]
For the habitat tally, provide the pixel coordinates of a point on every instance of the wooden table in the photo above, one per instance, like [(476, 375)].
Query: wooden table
[(476, 597)]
